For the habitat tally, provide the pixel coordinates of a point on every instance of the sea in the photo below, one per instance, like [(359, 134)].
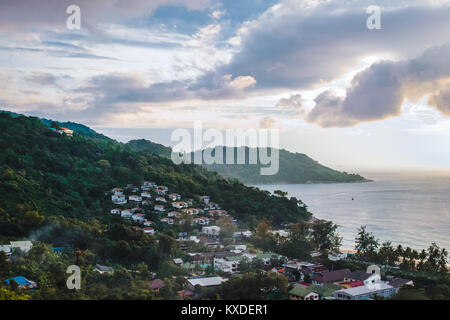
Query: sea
[(407, 208)]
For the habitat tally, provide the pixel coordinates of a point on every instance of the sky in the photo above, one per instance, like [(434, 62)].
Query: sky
[(349, 96)]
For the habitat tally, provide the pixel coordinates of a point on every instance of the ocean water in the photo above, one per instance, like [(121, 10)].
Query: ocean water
[(408, 209)]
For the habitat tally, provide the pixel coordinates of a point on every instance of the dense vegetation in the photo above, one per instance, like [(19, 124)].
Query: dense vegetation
[(148, 146), (293, 168), (45, 174)]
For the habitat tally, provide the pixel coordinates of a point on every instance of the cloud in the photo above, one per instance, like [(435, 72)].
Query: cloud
[(441, 99), (242, 82), (297, 44), (293, 102), (378, 92), (267, 123), (43, 79), (31, 15)]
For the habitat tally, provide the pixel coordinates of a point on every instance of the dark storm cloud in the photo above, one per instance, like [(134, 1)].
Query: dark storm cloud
[(379, 91)]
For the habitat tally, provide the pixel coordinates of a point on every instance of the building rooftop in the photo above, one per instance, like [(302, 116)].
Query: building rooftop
[(357, 291), (207, 282)]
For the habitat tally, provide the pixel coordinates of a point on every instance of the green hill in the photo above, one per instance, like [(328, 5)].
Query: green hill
[(44, 174), (148, 146), (293, 168)]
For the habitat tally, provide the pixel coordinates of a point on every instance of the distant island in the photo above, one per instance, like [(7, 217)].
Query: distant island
[(294, 168)]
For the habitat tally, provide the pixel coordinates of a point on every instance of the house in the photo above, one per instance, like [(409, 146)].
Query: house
[(209, 242), (194, 239), (201, 221), (156, 284), (149, 230), (23, 246), (366, 292), (66, 131), (211, 231), (118, 198), (359, 275), (179, 204), (218, 213), (331, 277), (117, 191), (351, 284), (137, 210), (185, 294), (205, 282), (149, 184), (161, 199), (299, 293), (6, 248), (138, 217), (159, 207), (178, 261), (398, 282), (280, 233), (103, 269), (191, 211), (161, 190), (146, 202), (126, 214), (228, 264), (148, 223), (135, 198), (116, 211), (337, 257), (174, 214), (242, 234), (22, 282), (212, 206), (205, 199), (174, 197), (146, 195), (167, 220)]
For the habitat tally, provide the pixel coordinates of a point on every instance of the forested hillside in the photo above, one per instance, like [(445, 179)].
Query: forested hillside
[(44, 174), (293, 168)]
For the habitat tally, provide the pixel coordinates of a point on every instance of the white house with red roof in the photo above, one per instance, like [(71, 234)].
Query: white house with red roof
[(119, 198), (135, 198), (149, 230), (138, 217), (179, 204)]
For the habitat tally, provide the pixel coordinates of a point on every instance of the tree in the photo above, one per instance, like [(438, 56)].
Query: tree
[(387, 254), (6, 294), (325, 237), (410, 293), (4, 264), (262, 238), (227, 227), (437, 259), (366, 244), (280, 193)]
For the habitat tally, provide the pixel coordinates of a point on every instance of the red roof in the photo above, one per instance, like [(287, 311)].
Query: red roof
[(354, 284), (156, 284), (305, 284)]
